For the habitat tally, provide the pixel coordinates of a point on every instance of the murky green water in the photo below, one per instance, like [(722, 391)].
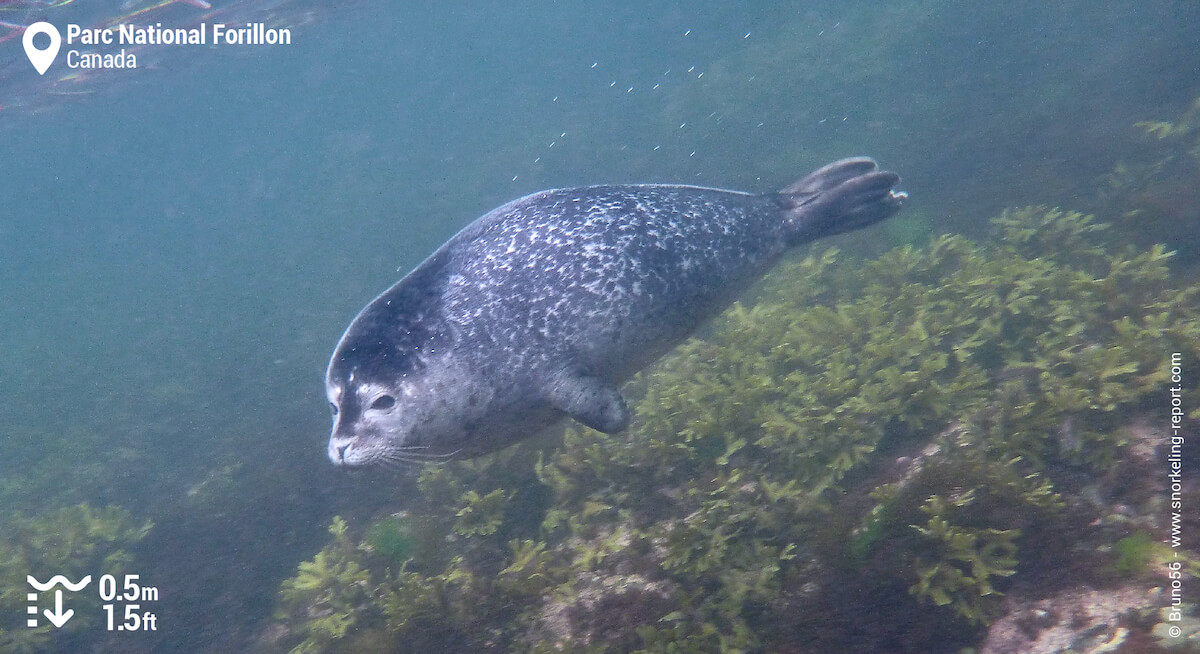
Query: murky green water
[(181, 245)]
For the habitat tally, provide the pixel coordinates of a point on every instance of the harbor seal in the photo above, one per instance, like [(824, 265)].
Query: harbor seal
[(542, 307)]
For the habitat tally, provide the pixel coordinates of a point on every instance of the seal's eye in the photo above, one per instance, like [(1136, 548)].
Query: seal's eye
[(383, 402)]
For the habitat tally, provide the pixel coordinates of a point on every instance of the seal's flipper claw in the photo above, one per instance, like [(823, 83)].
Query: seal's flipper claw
[(841, 197), (590, 400), (830, 175)]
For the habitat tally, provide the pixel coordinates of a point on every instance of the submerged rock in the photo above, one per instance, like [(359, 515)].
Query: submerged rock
[(1077, 621)]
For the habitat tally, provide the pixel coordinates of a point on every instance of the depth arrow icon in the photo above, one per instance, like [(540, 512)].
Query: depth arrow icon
[(58, 616)]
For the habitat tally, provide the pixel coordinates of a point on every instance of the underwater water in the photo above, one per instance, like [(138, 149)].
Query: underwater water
[(182, 244)]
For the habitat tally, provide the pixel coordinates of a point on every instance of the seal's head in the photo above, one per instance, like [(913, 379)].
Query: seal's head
[(385, 410), (371, 423), (396, 390)]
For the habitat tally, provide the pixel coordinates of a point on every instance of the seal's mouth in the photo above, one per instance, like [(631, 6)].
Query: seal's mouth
[(353, 452)]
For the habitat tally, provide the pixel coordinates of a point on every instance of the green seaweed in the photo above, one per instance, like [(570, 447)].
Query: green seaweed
[(1152, 192), (323, 599), (964, 560), (1134, 553), (480, 515), (1164, 129), (391, 538), (754, 484)]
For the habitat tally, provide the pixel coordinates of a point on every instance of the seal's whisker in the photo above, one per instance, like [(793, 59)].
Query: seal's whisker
[(409, 456), (414, 451), (395, 460), (439, 457)]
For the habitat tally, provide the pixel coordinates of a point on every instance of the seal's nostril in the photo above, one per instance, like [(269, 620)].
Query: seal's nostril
[(342, 452)]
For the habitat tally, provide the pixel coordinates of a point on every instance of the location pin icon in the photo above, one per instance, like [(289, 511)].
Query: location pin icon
[(41, 59)]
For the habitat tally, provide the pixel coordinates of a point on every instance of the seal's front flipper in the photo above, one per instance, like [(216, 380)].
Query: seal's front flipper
[(590, 401), (841, 197)]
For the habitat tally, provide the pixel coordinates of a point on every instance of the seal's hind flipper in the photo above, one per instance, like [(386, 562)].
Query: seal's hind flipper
[(590, 401), (841, 197)]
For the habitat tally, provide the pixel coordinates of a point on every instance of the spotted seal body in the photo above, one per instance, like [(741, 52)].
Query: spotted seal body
[(542, 307)]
